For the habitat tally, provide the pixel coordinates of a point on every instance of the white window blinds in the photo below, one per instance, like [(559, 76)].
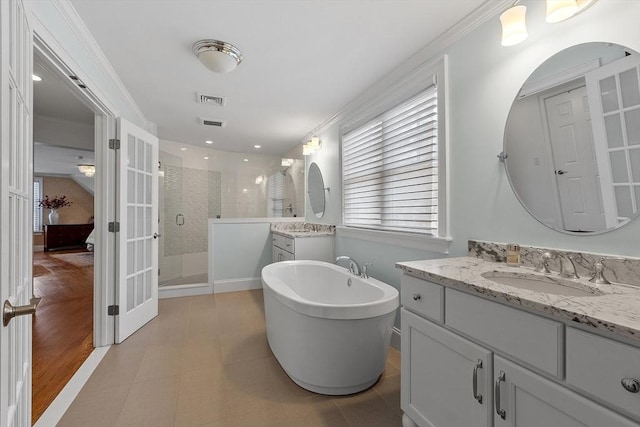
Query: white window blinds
[(37, 210), (390, 169)]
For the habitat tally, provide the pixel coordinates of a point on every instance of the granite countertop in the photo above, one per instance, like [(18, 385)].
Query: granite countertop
[(302, 229), (615, 313), (302, 233)]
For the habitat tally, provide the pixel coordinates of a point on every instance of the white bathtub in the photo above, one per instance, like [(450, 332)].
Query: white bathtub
[(330, 330)]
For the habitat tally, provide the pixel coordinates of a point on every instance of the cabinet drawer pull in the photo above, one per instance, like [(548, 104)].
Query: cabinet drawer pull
[(499, 411), (417, 297), (477, 396), (632, 385)]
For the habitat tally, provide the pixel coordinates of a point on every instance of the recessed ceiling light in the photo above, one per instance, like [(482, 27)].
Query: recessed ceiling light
[(183, 148), (206, 157), (246, 160), (257, 146), (36, 78), (209, 141)]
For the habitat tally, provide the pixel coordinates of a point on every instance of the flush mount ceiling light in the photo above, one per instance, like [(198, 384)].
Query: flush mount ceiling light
[(87, 170), (218, 56), (514, 27)]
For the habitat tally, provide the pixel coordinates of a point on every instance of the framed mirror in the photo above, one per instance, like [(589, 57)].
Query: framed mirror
[(572, 139), (315, 187)]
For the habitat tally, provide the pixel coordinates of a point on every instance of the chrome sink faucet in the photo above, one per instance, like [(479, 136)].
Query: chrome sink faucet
[(354, 267), (543, 262), (568, 267)]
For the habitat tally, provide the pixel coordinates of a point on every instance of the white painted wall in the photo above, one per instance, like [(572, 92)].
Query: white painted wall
[(484, 78)]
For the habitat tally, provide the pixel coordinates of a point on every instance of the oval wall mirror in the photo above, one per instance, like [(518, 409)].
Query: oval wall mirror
[(315, 187), (572, 139)]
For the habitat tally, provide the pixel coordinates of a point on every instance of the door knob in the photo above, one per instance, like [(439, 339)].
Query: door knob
[(561, 172), (156, 235), (9, 311)]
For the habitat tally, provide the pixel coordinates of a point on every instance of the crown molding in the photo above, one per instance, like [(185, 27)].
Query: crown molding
[(93, 50), (423, 58)]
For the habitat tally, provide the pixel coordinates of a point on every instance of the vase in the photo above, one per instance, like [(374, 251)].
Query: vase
[(53, 217)]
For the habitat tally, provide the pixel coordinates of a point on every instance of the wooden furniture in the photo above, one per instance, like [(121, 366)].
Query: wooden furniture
[(65, 235), (286, 248), (470, 361)]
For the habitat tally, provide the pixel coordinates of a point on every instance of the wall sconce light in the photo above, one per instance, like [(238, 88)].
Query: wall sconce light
[(87, 170), (559, 10), (514, 27), (311, 146)]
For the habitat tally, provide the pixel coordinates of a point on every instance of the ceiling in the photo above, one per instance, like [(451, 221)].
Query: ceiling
[(303, 60)]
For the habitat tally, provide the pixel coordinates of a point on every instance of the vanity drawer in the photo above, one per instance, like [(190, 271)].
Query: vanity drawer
[(284, 242), (532, 339), (422, 297), (597, 365)]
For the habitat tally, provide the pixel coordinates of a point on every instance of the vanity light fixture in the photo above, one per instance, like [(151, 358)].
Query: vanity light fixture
[(311, 146), (514, 27), (217, 56), (88, 170)]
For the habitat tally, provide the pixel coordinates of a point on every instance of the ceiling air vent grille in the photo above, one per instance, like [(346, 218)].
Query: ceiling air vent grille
[(207, 122), (210, 99)]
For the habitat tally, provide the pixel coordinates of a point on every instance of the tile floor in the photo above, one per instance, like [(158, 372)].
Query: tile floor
[(205, 362)]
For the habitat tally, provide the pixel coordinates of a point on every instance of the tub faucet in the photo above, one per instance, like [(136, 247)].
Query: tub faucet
[(354, 268)]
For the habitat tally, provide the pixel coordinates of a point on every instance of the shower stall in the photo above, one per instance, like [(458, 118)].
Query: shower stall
[(188, 198)]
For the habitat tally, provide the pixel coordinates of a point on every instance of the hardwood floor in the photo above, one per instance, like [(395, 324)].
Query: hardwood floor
[(63, 323)]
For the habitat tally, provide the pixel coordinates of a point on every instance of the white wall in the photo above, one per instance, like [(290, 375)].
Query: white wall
[(483, 80)]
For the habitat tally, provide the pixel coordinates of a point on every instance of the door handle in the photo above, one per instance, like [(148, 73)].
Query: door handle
[(496, 398), (560, 172), (9, 311), (156, 235), (477, 396)]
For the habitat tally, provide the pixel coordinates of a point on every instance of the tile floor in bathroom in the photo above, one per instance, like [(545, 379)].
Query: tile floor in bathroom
[(205, 362)]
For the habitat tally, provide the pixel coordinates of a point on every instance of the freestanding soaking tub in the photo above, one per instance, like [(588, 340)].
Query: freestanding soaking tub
[(329, 329)]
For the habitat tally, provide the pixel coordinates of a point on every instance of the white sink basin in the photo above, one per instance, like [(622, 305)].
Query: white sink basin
[(540, 283)]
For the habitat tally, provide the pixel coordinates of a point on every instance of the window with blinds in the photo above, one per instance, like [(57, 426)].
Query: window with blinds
[(37, 210), (390, 169)]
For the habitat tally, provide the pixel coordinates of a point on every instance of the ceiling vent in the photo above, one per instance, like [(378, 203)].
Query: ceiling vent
[(201, 98), (207, 122)]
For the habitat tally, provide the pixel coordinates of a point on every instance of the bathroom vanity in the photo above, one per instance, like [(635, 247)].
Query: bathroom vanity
[(479, 353), (302, 241)]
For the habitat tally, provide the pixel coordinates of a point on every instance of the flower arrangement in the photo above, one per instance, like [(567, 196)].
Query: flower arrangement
[(55, 203)]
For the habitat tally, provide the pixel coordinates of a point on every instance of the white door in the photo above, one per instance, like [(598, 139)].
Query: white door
[(614, 98), (574, 160), (16, 192), (439, 371), (137, 289), (525, 399)]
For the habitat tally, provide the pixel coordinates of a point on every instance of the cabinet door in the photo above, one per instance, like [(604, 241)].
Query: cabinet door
[(529, 400), (438, 369)]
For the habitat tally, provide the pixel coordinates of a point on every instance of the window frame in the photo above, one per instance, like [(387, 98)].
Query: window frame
[(403, 90)]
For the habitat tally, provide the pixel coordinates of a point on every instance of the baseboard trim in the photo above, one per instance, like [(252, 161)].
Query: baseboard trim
[(241, 284), (396, 338), (177, 291), (53, 414)]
